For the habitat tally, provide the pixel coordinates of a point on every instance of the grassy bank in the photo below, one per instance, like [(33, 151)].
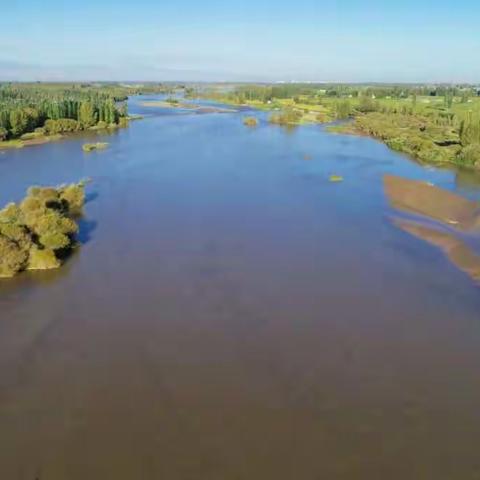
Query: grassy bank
[(417, 136), (437, 125), (27, 142)]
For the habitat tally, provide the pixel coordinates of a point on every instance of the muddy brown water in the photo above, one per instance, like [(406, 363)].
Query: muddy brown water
[(234, 315)]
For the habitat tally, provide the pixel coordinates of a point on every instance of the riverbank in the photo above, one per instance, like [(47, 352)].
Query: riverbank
[(35, 138), (39, 140), (430, 130), (415, 136)]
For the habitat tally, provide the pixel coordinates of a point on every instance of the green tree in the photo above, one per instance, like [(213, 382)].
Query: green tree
[(86, 114)]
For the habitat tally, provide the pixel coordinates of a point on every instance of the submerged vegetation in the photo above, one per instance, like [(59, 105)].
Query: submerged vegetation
[(432, 123), (89, 147), (38, 233), (336, 178)]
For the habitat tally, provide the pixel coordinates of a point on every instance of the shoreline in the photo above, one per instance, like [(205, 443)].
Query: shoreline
[(18, 143)]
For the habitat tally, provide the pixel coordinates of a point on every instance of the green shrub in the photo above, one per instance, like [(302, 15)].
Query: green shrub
[(74, 195), (18, 234), (12, 258), (42, 259), (11, 213), (123, 122), (343, 109), (367, 105), (289, 116), (3, 134), (62, 125), (33, 232), (89, 147), (470, 155), (250, 121), (469, 131), (54, 240)]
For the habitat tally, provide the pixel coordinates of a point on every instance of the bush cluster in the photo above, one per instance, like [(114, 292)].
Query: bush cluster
[(250, 121), (289, 116), (36, 233)]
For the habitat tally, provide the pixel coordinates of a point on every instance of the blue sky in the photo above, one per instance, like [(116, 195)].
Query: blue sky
[(250, 40)]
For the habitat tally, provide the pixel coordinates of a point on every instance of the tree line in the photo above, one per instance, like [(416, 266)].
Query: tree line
[(49, 108), (25, 109)]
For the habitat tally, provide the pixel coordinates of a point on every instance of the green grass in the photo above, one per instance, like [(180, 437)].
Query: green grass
[(12, 144)]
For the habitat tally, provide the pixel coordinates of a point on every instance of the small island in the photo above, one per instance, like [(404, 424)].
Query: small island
[(90, 147), (39, 232), (250, 122)]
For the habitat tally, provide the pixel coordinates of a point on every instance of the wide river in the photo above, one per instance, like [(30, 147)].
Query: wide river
[(233, 314)]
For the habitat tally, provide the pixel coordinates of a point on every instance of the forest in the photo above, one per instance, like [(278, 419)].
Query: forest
[(35, 109)]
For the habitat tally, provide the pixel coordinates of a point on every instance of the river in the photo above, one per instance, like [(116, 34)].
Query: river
[(233, 314)]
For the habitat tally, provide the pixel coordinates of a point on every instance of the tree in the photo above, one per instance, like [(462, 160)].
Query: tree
[(86, 114), (18, 122), (3, 134)]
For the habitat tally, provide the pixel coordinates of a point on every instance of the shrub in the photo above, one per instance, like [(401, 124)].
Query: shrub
[(42, 259), (3, 134), (18, 234), (54, 240), (470, 155), (469, 131), (250, 121), (11, 213), (89, 147), (367, 104), (343, 109), (12, 258), (289, 116), (123, 122), (34, 232), (74, 195), (62, 125)]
